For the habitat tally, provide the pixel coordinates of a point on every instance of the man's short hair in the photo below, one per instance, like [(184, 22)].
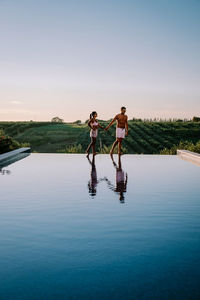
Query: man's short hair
[(123, 107)]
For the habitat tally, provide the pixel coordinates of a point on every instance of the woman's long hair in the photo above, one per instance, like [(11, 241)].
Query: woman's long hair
[(92, 114)]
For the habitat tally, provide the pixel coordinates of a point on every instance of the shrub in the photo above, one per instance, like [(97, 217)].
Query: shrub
[(183, 145), (57, 120), (8, 144), (195, 119), (72, 149), (78, 122)]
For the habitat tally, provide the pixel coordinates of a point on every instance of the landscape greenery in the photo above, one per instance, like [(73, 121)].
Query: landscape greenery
[(7, 143), (145, 137)]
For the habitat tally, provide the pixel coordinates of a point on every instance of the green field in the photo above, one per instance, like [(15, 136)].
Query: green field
[(144, 137)]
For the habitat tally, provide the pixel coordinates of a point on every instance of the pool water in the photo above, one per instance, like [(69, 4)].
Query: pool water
[(77, 229)]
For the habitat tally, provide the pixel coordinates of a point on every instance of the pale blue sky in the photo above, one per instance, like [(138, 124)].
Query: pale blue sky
[(68, 58)]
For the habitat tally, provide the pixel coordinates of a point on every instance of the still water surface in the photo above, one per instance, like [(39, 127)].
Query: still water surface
[(72, 229)]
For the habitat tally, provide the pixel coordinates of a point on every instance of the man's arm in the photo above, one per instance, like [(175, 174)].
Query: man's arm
[(115, 118)]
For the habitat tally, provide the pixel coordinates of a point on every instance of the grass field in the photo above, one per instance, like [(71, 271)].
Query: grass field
[(144, 137)]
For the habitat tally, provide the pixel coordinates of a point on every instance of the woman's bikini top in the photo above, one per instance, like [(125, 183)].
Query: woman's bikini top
[(95, 124)]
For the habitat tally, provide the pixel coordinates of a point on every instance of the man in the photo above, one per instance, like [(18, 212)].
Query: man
[(121, 181), (121, 129)]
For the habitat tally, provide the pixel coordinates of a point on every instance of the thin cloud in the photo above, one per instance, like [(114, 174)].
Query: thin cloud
[(16, 102)]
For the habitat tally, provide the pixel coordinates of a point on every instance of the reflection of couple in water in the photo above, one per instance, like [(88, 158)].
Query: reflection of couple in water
[(121, 180), (121, 130)]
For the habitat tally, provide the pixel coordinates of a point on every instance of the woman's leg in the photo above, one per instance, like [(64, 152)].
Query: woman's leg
[(93, 145), (89, 147)]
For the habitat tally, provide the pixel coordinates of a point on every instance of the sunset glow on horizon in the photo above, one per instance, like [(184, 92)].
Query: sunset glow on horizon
[(68, 58)]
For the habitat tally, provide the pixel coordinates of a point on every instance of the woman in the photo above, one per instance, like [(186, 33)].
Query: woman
[(94, 125)]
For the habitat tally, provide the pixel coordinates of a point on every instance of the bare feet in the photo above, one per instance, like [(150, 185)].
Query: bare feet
[(111, 155), (114, 163)]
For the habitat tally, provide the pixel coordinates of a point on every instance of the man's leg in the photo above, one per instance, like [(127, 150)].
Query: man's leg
[(113, 147), (119, 146)]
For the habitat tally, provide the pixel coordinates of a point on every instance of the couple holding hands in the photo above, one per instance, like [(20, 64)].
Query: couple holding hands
[(121, 130)]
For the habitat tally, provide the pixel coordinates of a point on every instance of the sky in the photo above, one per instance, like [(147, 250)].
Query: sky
[(67, 58)]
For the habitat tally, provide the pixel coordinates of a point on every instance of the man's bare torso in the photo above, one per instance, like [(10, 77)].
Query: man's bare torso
[(121, 120)]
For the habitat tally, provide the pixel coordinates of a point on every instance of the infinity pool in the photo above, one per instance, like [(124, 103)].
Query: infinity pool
[(76, 229)]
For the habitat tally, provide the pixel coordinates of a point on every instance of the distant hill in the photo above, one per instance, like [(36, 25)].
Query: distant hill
[(144, 137)]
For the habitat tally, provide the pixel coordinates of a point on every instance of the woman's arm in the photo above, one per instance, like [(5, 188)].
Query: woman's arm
[(89, 124), (110, 185), (101, 126)]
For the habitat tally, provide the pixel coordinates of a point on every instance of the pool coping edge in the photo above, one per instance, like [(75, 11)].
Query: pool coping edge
[(11, 154), (189, 156)]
